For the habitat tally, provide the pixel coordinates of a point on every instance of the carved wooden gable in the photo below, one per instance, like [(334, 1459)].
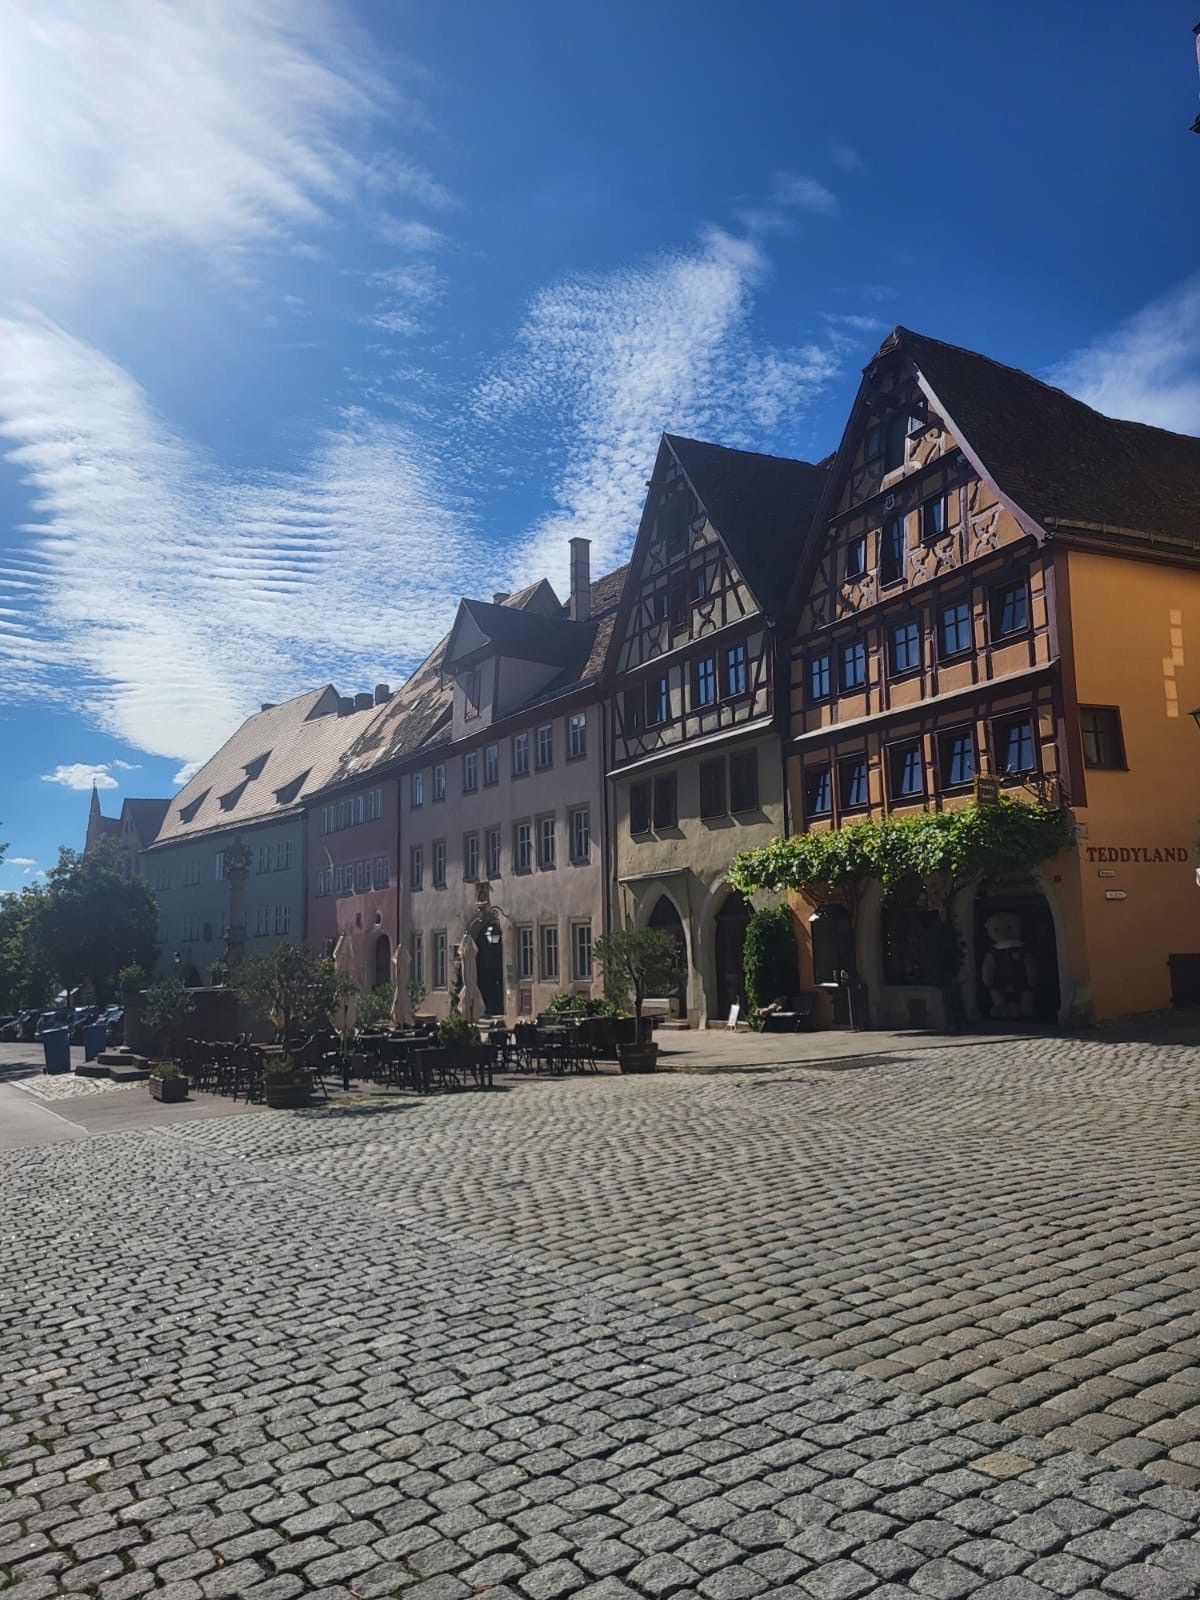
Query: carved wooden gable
[(684, 585), (910, 507)]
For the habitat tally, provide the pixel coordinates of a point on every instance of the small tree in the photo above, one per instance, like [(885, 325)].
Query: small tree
[(376, 1006), (289, 984), (167, 1007), (131, 979), (770, 959), (637, 962), (93, 918), (416, 992)]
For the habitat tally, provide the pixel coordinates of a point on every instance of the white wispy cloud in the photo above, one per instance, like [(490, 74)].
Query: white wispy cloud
[(215, 127), (177, 593), (1147, 370), (19, 861), (845, 157), (81, 775), (126, 766), (606, 363), (796, 192)]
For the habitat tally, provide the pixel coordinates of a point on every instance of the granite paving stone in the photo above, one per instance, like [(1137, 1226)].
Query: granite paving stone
[(927, 1327)]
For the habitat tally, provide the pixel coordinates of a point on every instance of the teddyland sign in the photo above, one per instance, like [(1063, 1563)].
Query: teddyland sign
[(1100, 852)]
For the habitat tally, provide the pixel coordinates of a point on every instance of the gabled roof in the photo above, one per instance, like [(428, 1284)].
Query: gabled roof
[(1056, 458), (505, 631), (299, 739), (145, 817), (760, 505), (594, 637), (416, 715)]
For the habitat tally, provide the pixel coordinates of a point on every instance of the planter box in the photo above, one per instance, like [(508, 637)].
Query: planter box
[(168, 1090), (287, 1094), (638, 1057)]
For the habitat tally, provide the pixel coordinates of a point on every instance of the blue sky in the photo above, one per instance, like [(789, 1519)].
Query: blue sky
[(316, 315)]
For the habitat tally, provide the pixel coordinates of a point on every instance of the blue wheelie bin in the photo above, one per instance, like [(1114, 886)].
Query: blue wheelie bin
[(95, 1039), (56, 1043)]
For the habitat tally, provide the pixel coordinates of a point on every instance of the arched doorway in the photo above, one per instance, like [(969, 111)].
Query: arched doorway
[(489, 969), (1016, 954), (732, 921), (383, 961), (666, 919), (832, 934)]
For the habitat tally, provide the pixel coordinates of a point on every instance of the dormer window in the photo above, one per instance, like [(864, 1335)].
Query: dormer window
[(229, 800), (188, 812), (253, 769)]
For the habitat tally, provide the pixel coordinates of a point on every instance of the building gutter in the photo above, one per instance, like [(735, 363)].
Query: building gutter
[(918, 708), (680, 752)]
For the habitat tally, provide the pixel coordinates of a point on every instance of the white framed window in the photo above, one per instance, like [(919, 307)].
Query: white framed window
[(416, 791), (344, 815), (362, 876), (546, 844), (439, 781), (471, 687), (283, 919), (470, 772), (260, 922), (491, 765), (493, 852), (545, 746), (283, 857), (326, 819), (549, 953), (439, 959), (520, 754), (523, 847), (581, 951), (525, 952), (581, 834), (418, 959), (416, 867), (470, 857), (577, 736), (382, 872), (360, 808), (439, 863)]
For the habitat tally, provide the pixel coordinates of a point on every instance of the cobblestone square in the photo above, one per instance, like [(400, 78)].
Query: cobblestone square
[(925, 1325)]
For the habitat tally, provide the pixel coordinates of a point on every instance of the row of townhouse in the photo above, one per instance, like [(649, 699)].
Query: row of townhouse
[(987, 578)]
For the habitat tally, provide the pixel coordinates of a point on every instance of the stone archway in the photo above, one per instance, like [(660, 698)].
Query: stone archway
[(489, 968), (665, 917)]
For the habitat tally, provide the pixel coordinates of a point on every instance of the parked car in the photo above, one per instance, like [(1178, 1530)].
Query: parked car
[(51, 1019), (20, 1029), (114, 1023), (80, 1018)]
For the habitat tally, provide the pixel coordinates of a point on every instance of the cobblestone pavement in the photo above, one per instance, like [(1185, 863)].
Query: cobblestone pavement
[(596, 1337)]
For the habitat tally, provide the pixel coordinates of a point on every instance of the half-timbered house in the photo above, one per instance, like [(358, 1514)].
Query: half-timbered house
[(1001, 584), (696, 758)]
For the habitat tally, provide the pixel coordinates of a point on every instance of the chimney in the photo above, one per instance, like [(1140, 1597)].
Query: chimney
[(267, 705), (345, 705), (363, 702), (580, 608), (382, 693), (501, 596)]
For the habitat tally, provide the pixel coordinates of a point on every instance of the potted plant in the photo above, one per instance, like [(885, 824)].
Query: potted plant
[(167, 1082), (286, 1086), (637, 962), (165, 1009)]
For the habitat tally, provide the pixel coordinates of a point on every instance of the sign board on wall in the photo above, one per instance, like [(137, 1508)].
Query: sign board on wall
[(1137, 853)]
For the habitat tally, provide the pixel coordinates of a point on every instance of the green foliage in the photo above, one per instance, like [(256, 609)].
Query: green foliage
[(455, 1030), (416, 992), (289, 984), (580, 1005), (166, 1069), (286, 1068), (131, 979), (376, 1007), (941, 850), (25, 975), (167, 1006), (218, 974), (456, 985), (770, 958), (93, 920), (637, 962)]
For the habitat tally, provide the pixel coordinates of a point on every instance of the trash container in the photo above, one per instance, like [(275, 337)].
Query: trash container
[(56, 1043), (95, 1039)]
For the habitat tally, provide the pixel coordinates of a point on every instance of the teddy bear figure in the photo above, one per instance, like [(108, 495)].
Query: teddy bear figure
[(1009, 969)]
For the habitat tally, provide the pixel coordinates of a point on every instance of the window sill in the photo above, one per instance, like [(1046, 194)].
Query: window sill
[(904, 675)]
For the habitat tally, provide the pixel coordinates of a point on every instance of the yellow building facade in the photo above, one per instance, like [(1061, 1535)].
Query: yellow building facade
[(1002, 584)]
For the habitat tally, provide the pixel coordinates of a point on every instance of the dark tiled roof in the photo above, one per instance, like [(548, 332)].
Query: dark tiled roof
[(526, 636), (411, 718), (592, 646), (1059, 460), (146, 817), (760, 505)]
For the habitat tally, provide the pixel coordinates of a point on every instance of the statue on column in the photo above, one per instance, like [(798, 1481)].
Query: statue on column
[(238, 860)]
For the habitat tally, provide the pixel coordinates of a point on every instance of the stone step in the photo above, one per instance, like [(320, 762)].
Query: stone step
[(129, 1074), (118, 1058)]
